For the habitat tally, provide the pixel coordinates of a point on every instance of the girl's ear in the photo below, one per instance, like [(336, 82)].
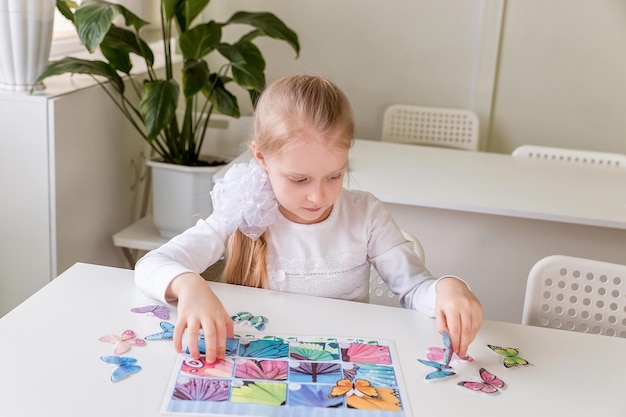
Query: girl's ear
[(258, 155)]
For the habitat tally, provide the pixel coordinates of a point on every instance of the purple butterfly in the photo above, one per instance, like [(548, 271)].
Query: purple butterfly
[(160, 311), (490, 383)]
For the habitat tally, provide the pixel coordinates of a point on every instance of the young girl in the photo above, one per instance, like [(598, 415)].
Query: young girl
[(285, 222)]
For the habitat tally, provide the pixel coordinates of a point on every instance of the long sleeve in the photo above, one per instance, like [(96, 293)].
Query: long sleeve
[(192, 251), (397, 263)]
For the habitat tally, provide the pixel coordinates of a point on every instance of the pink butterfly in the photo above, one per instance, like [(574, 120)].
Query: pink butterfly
[(437, 353), (160, 311), (123, 342), (490, 383)]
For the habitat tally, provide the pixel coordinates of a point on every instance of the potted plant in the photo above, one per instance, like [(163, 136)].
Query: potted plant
[(172, 113)]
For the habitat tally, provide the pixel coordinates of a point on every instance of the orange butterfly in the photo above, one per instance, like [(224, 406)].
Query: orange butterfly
[(360, 388)]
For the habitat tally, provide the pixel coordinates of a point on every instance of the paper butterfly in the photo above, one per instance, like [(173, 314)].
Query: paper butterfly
[(166, 334), (437, 354), (441, 367), (161, 312), (360, 388), (126, 366), (510, 356), (445, 353), (123, 342), (447, 348), (441, 370), (490, 383), (244, 317)]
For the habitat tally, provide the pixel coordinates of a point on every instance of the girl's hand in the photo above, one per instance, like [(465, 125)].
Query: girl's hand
[(459, 312), (200, 309)]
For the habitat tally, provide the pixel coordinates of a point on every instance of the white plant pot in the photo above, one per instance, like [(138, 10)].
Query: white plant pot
[(25, 39), (180, 196)]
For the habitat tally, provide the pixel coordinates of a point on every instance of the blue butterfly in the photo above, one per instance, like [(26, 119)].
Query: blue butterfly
[(166, 334), (246, 318), (441, 369), (125, 369), (447, 345)]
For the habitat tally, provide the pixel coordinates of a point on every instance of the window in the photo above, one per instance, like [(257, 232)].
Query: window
[(64, 39)]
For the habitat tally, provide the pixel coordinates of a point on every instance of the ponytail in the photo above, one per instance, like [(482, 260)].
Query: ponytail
[(245, 261)]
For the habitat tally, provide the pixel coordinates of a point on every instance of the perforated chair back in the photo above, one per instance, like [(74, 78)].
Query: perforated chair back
[(379, 292), (570, 156), (452, 128), (577, 294)]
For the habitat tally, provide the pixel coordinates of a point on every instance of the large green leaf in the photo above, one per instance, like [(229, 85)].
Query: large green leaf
[(119, 43), (195, 76), (65, 8), (201, 40), (185, 11), (93, 21), (248, 65), (82, 66), (158, 105), (269, 25), (220, 97)]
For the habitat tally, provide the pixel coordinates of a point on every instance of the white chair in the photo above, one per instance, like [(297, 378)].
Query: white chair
[(452, 128), (577, 294), (570, 156), (379, 292)]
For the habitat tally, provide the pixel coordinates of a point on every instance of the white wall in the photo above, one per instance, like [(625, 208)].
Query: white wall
[(562, 75), (549, 72), (422, 52)]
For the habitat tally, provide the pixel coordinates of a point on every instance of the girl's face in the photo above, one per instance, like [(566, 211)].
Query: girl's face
[(306, 177)]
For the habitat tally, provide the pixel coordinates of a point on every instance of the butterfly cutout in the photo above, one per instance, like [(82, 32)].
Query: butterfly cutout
[(245, 318), (360, 388), (160, 311), (441, 370), (489, 385), (511, 358), (447, 349), (126, 366), (437, 354), (166, 334), (446, 354), (123, 341)]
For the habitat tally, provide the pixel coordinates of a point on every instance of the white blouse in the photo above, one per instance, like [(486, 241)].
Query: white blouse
[(327, 259)]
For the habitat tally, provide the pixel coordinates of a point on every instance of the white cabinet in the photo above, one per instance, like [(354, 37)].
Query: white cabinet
[(69, 180)]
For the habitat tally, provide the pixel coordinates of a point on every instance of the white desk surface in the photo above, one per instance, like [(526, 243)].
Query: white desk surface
[(487, 183), (50, 366)]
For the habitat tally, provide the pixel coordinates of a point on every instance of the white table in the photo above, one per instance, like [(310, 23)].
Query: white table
[(50, 366), (486, 217)]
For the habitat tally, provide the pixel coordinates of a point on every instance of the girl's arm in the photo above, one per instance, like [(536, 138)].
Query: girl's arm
[(171, 273), (200, 309)]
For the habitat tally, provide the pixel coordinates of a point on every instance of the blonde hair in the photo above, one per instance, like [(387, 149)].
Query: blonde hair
[(287, 109)]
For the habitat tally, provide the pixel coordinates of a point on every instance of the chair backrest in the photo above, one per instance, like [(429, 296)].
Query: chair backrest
[(379, 292), (436, 126), (570, 156), (577, 294)]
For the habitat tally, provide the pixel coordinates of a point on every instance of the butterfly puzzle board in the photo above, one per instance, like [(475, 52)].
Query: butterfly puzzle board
[(281, 375)]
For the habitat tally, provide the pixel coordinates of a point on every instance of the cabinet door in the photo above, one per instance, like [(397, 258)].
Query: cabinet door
[(25, 247)]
